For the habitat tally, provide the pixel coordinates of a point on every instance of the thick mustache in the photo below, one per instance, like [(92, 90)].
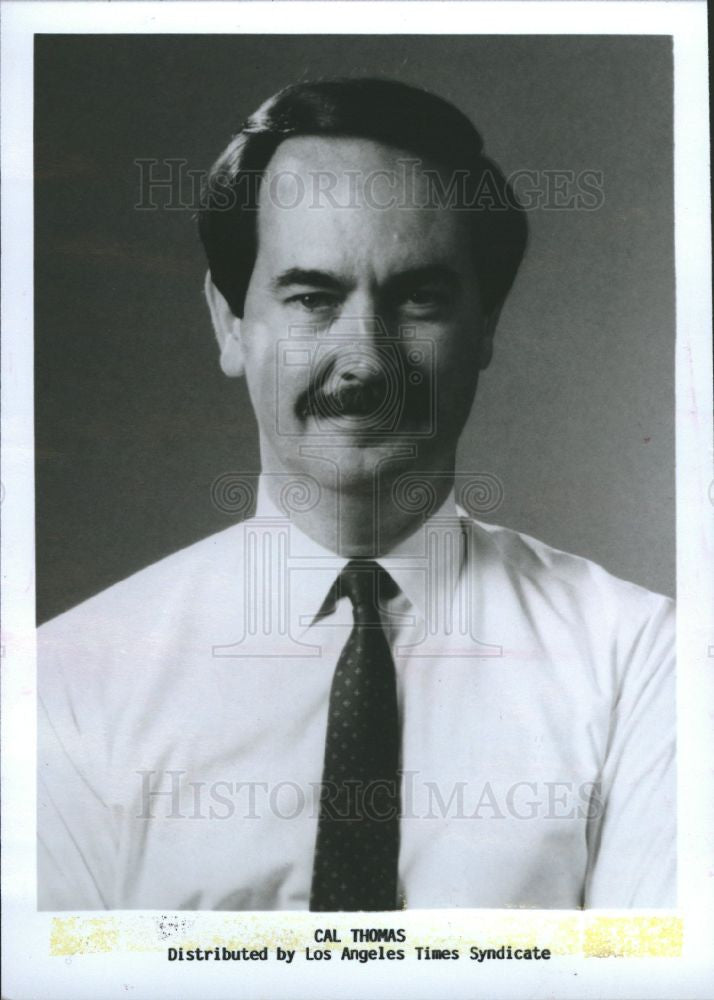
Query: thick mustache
[(359, 397)]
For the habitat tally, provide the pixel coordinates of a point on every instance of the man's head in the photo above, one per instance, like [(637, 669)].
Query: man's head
[(360, 247)]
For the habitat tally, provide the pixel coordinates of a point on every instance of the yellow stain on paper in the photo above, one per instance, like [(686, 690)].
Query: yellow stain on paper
[(634, 937), (84, 936), (585, 935)]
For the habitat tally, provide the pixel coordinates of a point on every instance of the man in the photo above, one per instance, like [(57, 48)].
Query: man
[(360, 698)]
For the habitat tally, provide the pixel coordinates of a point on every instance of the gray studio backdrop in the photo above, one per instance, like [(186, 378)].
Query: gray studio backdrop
[(134, 421)]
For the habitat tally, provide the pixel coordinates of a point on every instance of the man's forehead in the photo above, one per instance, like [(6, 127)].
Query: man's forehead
[(353, 172), (304, 154), (326, 200)]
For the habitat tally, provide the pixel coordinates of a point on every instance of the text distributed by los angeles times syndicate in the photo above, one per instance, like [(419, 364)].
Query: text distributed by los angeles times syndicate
[(357, 944)]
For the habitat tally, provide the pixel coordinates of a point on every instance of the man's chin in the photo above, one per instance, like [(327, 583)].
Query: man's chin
[(353, 461), (363, 464)]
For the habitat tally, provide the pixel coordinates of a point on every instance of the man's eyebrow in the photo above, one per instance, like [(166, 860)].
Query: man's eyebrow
[(427, 274), (302, 276), (421, 275)]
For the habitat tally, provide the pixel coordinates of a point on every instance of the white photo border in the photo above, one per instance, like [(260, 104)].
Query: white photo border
[(96, 956)]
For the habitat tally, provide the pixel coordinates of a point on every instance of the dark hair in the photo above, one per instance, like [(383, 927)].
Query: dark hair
[(385, 111)]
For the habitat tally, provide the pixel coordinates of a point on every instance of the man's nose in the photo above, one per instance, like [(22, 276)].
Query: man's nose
[(363, 325), (359, 343)]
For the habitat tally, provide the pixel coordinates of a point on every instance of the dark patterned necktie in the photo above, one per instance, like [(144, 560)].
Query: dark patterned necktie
[(357, 846)]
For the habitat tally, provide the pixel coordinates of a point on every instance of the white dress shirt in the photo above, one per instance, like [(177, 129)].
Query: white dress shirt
[(183, 715)]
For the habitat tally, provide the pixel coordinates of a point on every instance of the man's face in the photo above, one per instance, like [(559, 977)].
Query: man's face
[(363, 332)]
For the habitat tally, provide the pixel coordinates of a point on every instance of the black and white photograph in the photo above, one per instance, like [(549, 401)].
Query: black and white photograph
[(357, 694), (357, 414)]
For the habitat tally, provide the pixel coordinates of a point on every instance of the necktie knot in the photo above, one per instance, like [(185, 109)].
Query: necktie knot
[(367, 584)]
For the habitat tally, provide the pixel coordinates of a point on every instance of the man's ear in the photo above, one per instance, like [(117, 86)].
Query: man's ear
[(488, 330), (227, 329)]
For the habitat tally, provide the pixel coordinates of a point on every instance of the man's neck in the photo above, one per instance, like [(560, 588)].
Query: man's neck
[(366, 523)]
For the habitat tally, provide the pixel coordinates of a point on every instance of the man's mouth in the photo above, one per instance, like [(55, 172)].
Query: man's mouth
[(356, 399)]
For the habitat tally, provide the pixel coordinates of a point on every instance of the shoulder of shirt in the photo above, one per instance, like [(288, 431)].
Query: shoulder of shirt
[(553, 570), (215, 561), (146, 593)]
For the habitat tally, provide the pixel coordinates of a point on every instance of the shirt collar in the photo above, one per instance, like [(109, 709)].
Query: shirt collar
[(425, 565)]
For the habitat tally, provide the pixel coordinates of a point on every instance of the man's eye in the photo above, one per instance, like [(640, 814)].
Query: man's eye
[(425, 298), (312, 301)]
